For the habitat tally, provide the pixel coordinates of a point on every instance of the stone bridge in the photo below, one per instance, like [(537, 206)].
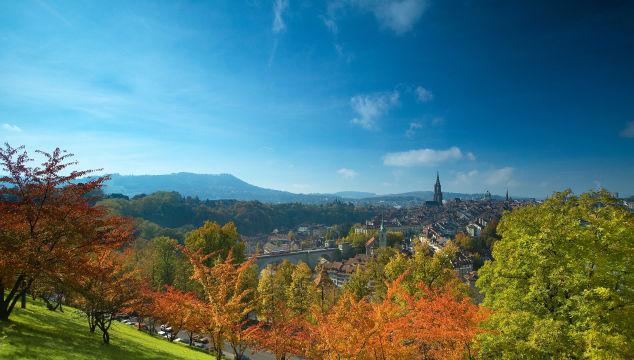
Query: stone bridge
[(310, 257)]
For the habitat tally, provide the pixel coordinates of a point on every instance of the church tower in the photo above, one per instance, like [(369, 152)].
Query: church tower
[(437, 190), (382, 236)]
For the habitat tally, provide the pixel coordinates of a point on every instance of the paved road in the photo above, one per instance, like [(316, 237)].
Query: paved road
[(228, 352)]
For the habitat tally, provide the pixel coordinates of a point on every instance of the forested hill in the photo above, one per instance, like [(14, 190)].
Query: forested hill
[(227, 186), (172, 210), (207, 187)]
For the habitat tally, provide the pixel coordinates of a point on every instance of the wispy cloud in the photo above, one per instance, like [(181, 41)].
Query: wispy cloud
[(413, 127), (279, 6), (11, 127), (628, 132), (465, 178), (343, 54), (499, 176), (478, 180), (53, 11), (422, 157), (330, 23), (347, 173), (399, 16), (423, 95), (370, 107)]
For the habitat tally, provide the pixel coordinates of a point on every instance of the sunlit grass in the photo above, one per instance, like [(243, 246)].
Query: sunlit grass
[(37, 333)]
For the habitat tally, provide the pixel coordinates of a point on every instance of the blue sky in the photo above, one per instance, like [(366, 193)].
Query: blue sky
[(312, 96)]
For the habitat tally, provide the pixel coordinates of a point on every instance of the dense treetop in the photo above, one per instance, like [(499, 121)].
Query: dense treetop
[(562, 282), (170, 209)]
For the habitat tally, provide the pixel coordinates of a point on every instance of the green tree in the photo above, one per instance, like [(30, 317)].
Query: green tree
[(561, 285), (212, 238), (433, 269), (301, 291), (272, 287), (394, 238), (164, 255), (268, 294), (358, 284)]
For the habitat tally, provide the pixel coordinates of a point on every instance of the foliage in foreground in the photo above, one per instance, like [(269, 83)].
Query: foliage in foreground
[(562, 283)]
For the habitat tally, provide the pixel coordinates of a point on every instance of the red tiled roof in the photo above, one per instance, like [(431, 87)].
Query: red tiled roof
[(370, 242)]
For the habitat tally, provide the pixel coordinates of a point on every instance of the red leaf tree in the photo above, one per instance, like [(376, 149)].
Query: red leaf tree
[(176, 308), (106, 290), (49, 226)]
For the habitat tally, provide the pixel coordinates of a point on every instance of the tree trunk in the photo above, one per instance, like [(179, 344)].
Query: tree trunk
[(17, 291), (23, 299), (104, 326)]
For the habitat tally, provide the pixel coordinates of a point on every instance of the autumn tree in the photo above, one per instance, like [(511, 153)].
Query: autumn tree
[(562, 282), (427, 325), (283, 334), (175, 308), (106, 289), (224, 316), (48, 225)]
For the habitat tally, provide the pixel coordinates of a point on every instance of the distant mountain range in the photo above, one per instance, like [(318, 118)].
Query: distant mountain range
[(227, 186)]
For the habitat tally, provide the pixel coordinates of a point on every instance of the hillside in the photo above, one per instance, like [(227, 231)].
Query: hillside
[(229, 187), (170, 209), (206, 187), (37, 333)]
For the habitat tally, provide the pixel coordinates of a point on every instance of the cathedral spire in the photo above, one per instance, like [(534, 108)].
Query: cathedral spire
[(437, 190)]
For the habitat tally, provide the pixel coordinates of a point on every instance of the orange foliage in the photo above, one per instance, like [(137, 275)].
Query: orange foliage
[(106, 290), (283, 335), (224, 316), (176, 308), (434, 325), (48, 226)]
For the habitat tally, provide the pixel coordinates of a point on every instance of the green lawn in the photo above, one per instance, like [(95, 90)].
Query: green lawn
[(37, 333)]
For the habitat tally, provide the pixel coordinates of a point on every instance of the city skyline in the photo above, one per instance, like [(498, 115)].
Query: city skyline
[(369, 96)]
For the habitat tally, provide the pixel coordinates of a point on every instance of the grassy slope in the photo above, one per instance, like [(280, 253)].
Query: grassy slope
[(37, 333)]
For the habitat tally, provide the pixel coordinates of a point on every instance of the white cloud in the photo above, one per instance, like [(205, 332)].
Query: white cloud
[(423, 95), (465, 178), (279, 6), (371, 107), (331, 24), (397, 15), (343, 54), (10, 127), (422, 157), (499, 176), (413, 126), (628, 132), (471, 156), (400, 16), (347, 173), (493, 179)]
